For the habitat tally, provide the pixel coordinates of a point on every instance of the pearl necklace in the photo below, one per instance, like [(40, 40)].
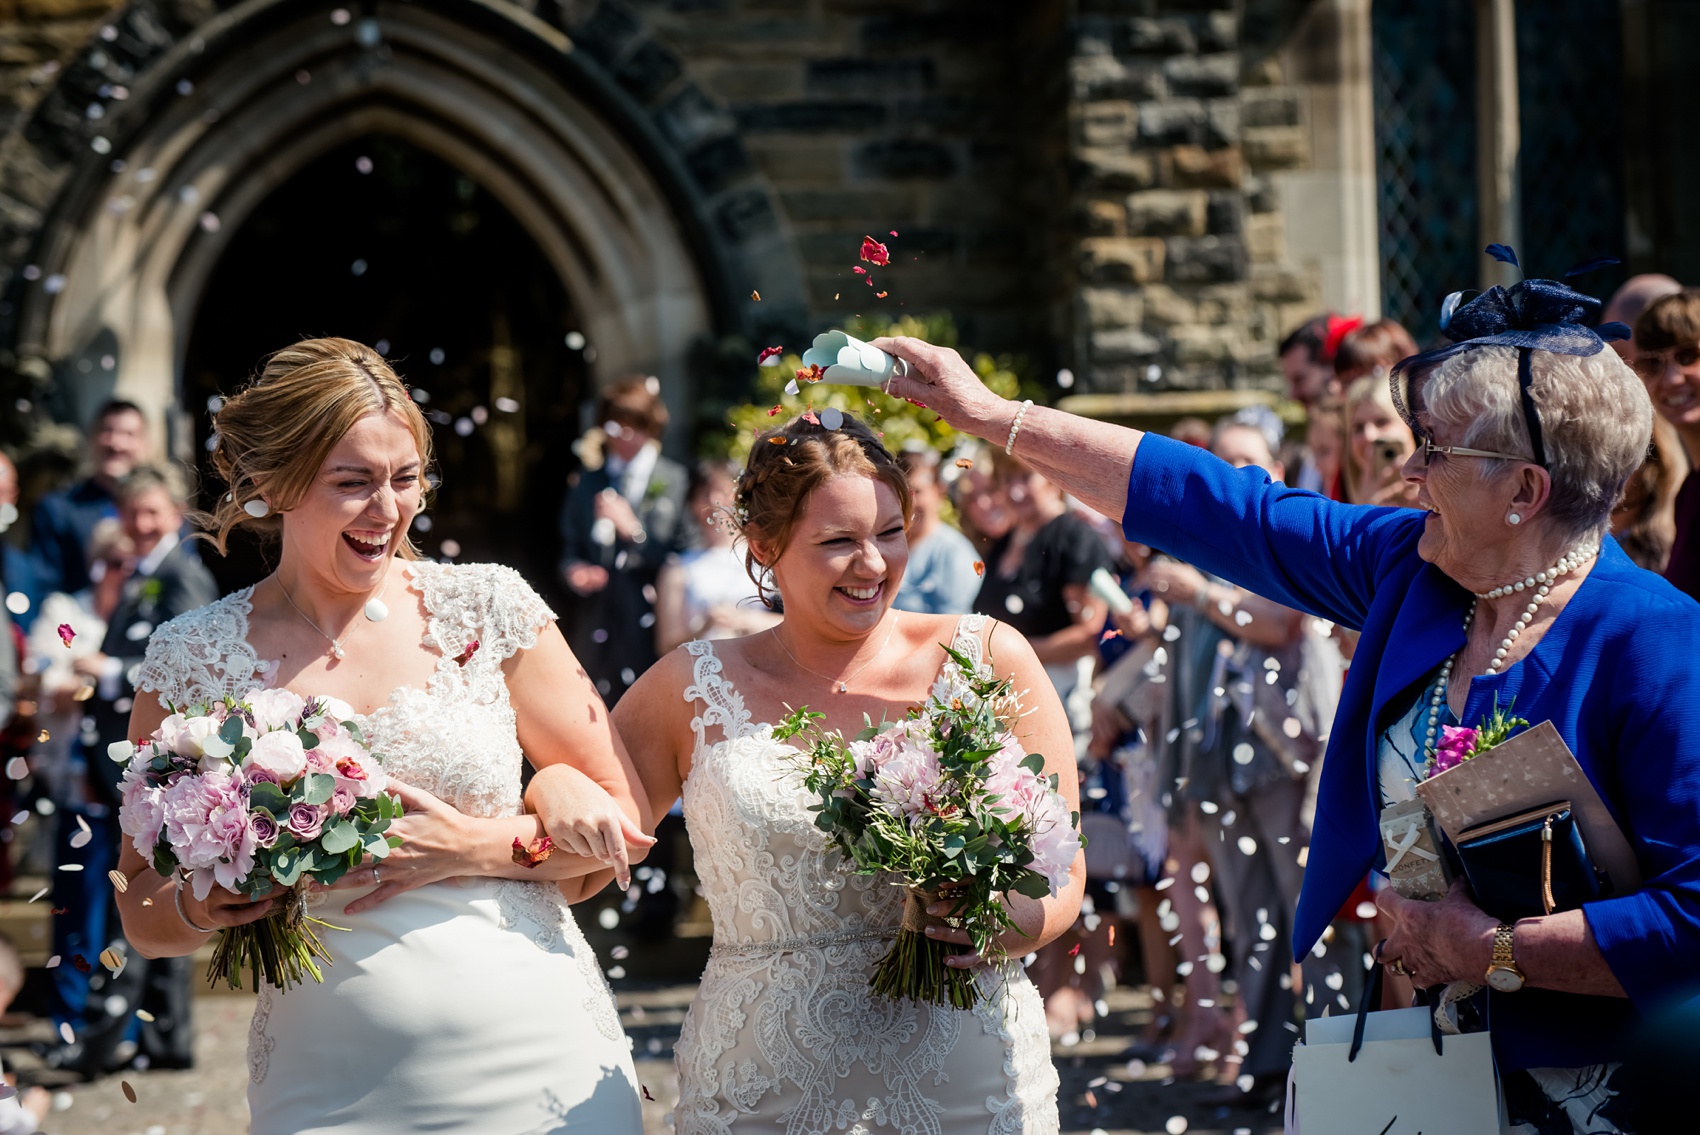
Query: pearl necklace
[(1540, 583)]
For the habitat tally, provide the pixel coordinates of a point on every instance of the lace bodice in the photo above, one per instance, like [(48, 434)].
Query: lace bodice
[(784, 1034), (455, 738), (767, 873)]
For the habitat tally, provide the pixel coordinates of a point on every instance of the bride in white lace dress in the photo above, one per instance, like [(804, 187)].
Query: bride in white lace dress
[(784, 1034), (462, 996)]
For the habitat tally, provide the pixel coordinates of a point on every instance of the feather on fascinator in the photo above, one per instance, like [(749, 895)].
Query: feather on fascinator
[(1530, 315)]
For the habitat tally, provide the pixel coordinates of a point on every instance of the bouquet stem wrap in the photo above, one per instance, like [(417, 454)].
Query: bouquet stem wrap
[(282, 948), (913, 969)]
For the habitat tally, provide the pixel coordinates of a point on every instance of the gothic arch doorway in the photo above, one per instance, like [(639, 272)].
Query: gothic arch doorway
[(380, 241)]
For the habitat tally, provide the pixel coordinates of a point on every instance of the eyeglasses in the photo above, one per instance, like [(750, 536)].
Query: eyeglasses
[(1430, 449), (1651, 364)]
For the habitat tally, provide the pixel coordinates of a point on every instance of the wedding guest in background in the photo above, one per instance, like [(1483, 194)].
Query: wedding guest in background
[(1634, 296), (1307, 363), (1644, 521), (1370, 349), (162, 582), (17, 574), (1516, 489), (705, 591), (621, 520), (1667, 357), (63, 521), (1378, 443), (25, 1110), (1325, 439), (941, 578), (1037, 574), (980, 506)]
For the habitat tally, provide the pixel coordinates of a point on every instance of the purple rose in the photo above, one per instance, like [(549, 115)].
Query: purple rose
[(306, 821), (264, 827)]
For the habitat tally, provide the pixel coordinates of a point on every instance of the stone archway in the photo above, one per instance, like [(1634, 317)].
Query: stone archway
[(218, 115)]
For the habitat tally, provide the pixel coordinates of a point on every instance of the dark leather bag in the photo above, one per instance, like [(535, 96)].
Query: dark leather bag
[(1529, 864)]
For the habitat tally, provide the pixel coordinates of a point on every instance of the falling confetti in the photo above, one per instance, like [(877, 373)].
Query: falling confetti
[(41, 894), (875, 253), (893, 232), (979, 567), (144, 1015), (17, 768), (465, 656), (879, 295), (776, 441), (66, 1033), (768, 353), (858, 269), (755, 295), (530, 857), (1108, 635), (809, 417), (120, 881), (775, 410), (41, 738), (965, 463), (82, 836), (81, 963), (646, 1094), (129, 1092), (113, 960), (84, 693), (66, 633)]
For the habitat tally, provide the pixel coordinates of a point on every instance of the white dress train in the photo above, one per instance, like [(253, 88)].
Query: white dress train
[(784, 1035), (468, 1005)]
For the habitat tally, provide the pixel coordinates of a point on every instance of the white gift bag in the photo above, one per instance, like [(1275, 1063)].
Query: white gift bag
[(1397, 1084)]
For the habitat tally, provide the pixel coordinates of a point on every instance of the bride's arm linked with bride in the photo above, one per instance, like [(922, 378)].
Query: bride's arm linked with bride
[(456, 674), (822, 514)]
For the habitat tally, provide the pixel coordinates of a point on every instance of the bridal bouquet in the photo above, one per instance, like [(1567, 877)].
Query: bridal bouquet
[(266, 791), (947, 801)]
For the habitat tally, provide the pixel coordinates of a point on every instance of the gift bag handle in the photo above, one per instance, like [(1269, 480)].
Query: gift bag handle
[(1372, 993)]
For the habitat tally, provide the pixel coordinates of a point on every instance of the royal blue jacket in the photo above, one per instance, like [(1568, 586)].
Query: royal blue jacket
[(1618, 675)]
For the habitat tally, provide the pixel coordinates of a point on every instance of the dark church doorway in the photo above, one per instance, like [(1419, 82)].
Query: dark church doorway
[(382, 242)]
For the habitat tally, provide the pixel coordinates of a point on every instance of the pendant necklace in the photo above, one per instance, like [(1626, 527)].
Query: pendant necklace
[(375, 610), (842, 684)]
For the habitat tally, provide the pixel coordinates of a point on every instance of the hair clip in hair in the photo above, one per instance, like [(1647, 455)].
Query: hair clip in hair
[(257, 508)]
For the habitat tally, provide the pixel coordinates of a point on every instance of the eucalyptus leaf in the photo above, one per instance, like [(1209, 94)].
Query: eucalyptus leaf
[(338, 838), (319, 787)]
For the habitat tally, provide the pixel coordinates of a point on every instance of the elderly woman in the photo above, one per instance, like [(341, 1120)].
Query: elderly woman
[(1504, 585)]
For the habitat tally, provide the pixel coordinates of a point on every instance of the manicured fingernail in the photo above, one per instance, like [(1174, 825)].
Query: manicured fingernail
[(932, 931), (939, 908)]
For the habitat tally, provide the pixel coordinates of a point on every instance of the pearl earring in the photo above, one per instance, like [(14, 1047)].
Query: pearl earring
[(1514, 519), (257, 508)]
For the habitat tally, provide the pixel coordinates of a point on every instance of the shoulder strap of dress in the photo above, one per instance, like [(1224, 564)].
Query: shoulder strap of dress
[(970, 640), (204, 654), (722, 704)]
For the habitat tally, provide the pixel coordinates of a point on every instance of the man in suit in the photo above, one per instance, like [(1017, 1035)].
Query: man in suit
[(64, 521), (165, 580), (621, 521)]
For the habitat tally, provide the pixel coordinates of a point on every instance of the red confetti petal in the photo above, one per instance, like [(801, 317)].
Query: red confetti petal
[(646, 1094), (880, 295), (874, 252), (776, 441), (66, 634), (893, 232), (465, 656), (1075, 950), (810, 373), (965, 463), (768, 353), (774, 411), (809, 417), (979, 567), (540, 849), (858, 269), (1108, 635)]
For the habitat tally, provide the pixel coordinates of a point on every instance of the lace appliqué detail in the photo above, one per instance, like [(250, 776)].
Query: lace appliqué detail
[(259, 1042), (202, 655), (784, 1030)]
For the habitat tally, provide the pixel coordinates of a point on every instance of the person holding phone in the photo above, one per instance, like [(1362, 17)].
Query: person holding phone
[(1378, 442)]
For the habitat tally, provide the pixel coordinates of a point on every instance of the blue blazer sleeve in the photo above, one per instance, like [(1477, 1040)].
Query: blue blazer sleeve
[(1292, 546), (1651, 939)]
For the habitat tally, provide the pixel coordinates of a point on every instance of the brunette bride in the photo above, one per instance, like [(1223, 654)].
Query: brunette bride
[(462, 997), (784, 1029)]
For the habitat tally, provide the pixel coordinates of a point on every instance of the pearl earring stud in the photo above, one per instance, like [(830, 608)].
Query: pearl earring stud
[(257, 508), (1514, 518)]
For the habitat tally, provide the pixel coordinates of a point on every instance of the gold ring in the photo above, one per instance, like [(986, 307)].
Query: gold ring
[(1398, 967)]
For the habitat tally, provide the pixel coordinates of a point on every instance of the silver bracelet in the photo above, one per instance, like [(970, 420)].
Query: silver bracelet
[(184, 915), (1015, 426)]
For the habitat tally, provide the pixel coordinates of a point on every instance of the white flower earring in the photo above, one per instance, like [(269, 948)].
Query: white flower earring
[(1514, 518)]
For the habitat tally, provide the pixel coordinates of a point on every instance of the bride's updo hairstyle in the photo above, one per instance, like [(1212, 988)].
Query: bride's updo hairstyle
[(787, 463), (278, 430)]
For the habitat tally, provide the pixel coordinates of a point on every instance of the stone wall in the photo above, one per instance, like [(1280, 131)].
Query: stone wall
[(1175, 125)]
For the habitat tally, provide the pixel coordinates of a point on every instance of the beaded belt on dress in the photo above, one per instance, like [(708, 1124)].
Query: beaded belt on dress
[(792, 945)]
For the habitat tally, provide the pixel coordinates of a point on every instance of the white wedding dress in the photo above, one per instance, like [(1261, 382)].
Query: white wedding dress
[(469, 1005), (784, 1034)]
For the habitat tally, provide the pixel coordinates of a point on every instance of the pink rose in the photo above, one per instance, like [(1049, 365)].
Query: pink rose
[(275, 709), (342, 802), (279, 753), (1454, 748), (265, 827), (141, 816), (306, 821)]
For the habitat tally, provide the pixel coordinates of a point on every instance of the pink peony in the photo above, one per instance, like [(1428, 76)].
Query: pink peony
[(279, 753), (206, 823), (306, 821), (1055, 842), (1454, 748), (907, 783), (141, 816), (349, 761), (275, 709)]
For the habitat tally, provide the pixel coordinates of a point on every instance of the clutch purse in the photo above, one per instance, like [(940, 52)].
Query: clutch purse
[(1529, 864)]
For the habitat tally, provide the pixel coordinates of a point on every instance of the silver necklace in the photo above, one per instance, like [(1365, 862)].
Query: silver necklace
[(1540, 584), (375, 612), (841, 683)]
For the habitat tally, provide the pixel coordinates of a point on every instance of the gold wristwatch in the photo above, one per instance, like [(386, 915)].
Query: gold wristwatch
[(1503, 974)]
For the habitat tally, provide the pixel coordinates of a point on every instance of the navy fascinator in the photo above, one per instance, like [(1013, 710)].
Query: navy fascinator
[(1530, 315)]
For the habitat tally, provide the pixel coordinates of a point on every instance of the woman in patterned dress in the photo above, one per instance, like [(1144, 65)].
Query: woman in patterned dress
[(461, 996), (784, 1033)]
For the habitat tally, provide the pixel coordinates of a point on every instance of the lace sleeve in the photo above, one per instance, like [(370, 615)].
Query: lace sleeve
[(201, 655), (487, 603)]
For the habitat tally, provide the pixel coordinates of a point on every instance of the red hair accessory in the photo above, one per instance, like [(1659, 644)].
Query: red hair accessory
[(1339, 326)]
